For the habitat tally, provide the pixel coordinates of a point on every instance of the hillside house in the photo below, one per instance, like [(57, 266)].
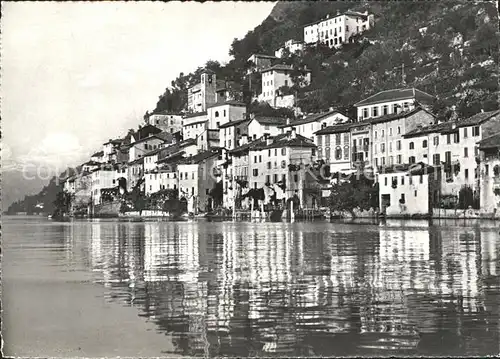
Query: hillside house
[(338, 30), (387, 135), (230, 133), (275, 77), (310, 124), (490, 174), (141, 147), (194, 124), (292, 46), (454, 146), (392, 102), (260, 62), (208, 139), (261, 125), (221, 113), (160, 179), (196, 178), (408, 190), (334, 146), (166, 121)]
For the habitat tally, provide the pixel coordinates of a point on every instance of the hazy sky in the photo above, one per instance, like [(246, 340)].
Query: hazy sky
[(77, 73)]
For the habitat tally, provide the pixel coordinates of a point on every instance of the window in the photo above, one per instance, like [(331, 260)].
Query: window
[(398, 145), (405, 106), (375, 148), (374, 111), (465, 132), (385, 181), (260, 158), (466, 152), (399, 130), (385, 109), (390, 131), (224, 113), (283, 151), (338, 153), (382, 147), (268, 179), (399, 159), (346, 138), (255, 172), (395, 108), (268, 165), (475, 131), (275, 178), (448, 139), (390, 146), (424, 144), (383, 133), (411, 159), (275, 152), (410, 180), (436, 159), (412, 146), (466, 173), (296, 178), (402, 180), (447, 156), (436, 140), (456, 137), (376, 162), (376, 134), (337, 139), (421, 178), (365, 110), (216, 113), (254, 159), (145, 146), (486, 170)]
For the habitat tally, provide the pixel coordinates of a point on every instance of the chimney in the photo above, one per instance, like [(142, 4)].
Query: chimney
[(330, 109)]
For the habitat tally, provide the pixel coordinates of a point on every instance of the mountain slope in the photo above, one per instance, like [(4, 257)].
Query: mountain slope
[(454, 57)]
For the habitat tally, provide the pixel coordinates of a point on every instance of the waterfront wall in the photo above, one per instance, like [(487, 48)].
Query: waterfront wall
[(146, 213), (111, 209)]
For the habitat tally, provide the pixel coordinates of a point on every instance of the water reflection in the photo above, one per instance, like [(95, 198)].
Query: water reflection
[(274, 289)]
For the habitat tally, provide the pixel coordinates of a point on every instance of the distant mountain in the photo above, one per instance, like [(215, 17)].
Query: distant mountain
[(15, 187), (448, 49)]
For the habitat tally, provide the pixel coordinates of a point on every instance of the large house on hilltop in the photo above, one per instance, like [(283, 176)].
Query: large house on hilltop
[(338, 30), (165, 121)]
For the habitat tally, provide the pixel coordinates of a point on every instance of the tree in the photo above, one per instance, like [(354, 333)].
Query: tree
[(354, 193)]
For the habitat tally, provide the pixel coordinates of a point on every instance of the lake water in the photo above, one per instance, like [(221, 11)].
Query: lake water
[(108, 288)]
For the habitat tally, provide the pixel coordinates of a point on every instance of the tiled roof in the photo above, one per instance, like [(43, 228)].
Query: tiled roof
[(281, 67), (396, 95), (147, 139), (311, 118), (444, 127), (344, 127), (196, 114), (490, 142), (145, 131), (478, 118), (139, 160), (167, 136), (91, 163), (415, 169), (230, 102), (98, 154), (272, 121), (234, 123), (200, 157), (395, 116), (114, 142), (195, 123), (299, 141), (248, 146), (166, 112), (264, 56)]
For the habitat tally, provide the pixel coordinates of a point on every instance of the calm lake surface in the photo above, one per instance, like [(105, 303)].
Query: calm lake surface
[(108, 288)]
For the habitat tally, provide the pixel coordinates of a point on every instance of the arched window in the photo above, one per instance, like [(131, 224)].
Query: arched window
[(338, 153), (412, 145), (216, 113)]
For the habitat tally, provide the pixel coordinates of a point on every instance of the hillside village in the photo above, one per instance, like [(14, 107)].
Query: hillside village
[(400, 156)]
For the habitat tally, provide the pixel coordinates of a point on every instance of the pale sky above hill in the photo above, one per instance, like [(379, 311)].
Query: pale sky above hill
[(77, 73)]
